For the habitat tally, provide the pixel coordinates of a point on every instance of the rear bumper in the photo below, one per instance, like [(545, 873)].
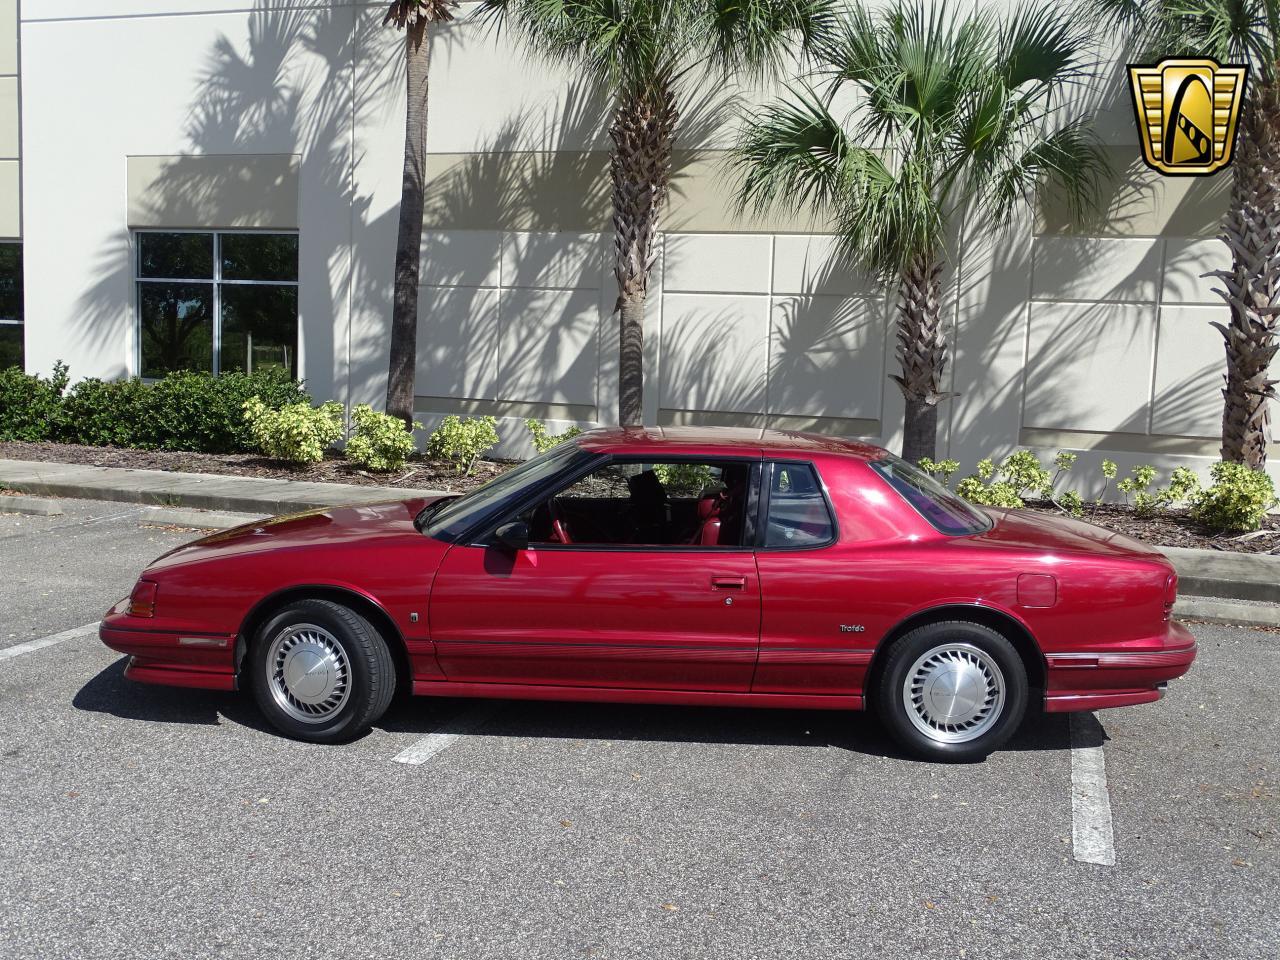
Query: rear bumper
[(1118, 677), (173, 657)]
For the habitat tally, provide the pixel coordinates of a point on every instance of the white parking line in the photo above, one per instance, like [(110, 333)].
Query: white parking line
[(18, 649), (465, 724), (1091, 836)]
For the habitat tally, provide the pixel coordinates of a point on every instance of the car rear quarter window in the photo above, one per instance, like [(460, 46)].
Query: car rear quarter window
[(946, 512), (798, 513)]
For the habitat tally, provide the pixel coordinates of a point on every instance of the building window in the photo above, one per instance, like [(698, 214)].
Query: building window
[(11, 354), (217, 301)]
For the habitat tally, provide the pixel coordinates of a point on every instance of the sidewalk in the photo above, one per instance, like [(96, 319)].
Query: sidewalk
[(204, 491)]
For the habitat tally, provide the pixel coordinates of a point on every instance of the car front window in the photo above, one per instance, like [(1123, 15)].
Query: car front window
[(946, 512), (456, 516)]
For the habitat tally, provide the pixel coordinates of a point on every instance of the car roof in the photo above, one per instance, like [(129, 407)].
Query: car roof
[(641, 440)]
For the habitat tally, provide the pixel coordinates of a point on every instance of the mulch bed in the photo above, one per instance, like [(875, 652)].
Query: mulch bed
[(1173, 528), (422, 474)]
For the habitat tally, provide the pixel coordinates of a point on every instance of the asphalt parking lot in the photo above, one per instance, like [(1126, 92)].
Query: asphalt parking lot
[(148, 822)]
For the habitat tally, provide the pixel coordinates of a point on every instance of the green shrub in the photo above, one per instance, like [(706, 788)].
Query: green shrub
[(1145, 504), (31, 405), (105, 413), (379, 441), (297, 432), (940, 470), (198, 411), (463, 442), (683, 479), (1238, 500), (1019, 475), (543, 441)]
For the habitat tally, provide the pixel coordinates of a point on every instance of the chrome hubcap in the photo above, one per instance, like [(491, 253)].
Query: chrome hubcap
[(954, 693), (309, 675)]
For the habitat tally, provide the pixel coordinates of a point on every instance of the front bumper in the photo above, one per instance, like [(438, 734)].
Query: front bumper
[(1118, 677), (169, 655)]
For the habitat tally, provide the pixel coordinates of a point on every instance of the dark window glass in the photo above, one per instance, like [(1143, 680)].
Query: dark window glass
[(11, 282), (943, 509), (182, 256), (671, 504), (798, 514), (449, 519), (259, 256), (177, 327), (11, 354), (259, 328)]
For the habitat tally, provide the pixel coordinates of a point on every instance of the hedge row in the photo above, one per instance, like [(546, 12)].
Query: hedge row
[(184, 411)]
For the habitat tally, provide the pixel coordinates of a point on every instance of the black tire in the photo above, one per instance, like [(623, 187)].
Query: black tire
[(370, 680), (896, 714)]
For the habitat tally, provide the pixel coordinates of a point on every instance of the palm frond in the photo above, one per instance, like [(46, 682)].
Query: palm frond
[(795, 155), (1070, 160), (754, 38)]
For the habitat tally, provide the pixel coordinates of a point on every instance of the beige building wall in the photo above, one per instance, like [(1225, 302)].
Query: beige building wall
[(1093, 337), (10, 125)]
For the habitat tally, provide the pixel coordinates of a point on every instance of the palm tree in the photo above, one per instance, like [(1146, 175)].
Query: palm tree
[(1235, 31), (952, 117), (648, 54), (414, 17)]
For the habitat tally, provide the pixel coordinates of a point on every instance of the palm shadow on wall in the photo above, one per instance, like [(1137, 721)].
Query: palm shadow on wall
[(996, 283)]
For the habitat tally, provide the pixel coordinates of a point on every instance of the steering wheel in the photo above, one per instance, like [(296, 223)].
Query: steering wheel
[(558, 527)]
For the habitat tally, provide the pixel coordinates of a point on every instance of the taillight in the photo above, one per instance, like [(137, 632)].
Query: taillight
[(1170, 594), (142, 602)]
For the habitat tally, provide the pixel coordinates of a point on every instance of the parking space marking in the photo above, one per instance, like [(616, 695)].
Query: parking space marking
[(18, 649), (1092, 840), (465, 724)]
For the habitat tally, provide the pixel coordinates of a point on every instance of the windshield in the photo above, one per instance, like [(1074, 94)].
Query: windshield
[(449, 519), (943, 509)]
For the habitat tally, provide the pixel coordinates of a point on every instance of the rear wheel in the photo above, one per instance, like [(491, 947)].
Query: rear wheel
[(321, 672), (952, 691)]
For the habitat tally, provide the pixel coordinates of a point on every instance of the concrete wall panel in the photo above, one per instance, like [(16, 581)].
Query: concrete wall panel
[(1190, 362), (714, 351), (825, 357), (707, 263), (1095, 268), (549, 351), (1187, 260), (1089, 366), (458, 343)]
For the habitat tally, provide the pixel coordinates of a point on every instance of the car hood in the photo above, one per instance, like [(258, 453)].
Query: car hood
[(326, 527), (1035, 531)]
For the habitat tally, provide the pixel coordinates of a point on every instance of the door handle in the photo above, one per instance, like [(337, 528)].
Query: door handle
[(728, 583)]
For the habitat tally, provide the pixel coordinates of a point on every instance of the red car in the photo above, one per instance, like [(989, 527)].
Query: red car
[(682, 566)]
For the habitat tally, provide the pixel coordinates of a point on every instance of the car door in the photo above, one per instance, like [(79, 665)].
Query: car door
[(671, 616), (810, 639)]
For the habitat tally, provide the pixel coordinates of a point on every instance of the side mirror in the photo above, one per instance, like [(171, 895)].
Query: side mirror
[(514, 535)]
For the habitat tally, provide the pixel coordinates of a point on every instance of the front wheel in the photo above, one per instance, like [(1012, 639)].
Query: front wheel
[(952, 691), (321, 672)]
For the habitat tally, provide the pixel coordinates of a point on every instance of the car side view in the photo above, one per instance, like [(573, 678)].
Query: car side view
[(671, 566)]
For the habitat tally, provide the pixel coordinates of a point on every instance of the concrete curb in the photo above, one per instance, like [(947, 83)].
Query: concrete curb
[(196, 519), (1237, 612), (201, 491), (1226, 576), (33, 506)]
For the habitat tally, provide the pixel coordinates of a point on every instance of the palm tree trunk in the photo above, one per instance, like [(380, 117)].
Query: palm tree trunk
[(404, 311), (1251, 230), (643, 132), (922, 352)]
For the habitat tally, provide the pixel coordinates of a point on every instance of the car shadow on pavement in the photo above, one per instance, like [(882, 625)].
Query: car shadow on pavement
[(109, 692), (852, 731)]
